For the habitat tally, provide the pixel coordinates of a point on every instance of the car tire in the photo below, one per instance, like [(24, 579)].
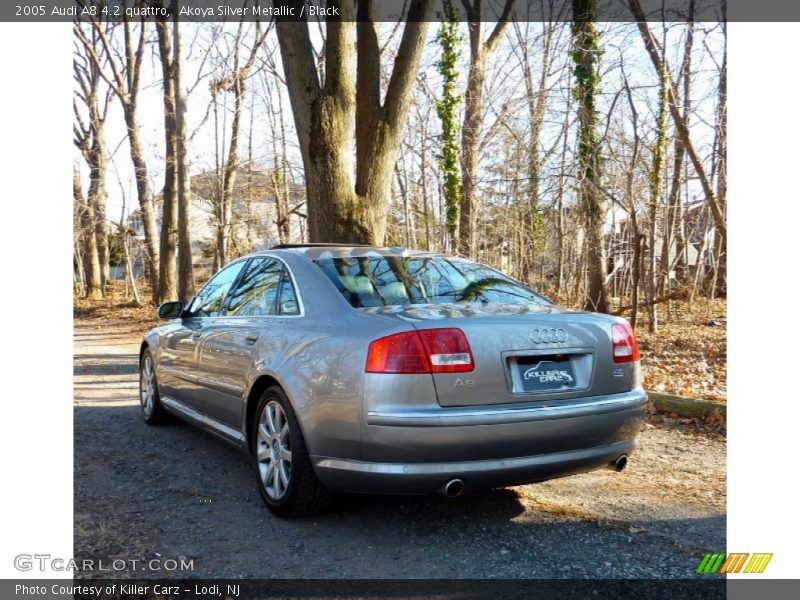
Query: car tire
[(153, 411), (284, 474)]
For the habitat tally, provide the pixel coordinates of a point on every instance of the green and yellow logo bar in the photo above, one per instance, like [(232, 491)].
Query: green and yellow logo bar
[(719, 562)]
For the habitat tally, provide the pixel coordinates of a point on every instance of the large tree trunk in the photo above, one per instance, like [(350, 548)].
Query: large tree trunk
[(449, 39), (328, 122), (167, 283), (183, 187), (587, 80), (470, 140)]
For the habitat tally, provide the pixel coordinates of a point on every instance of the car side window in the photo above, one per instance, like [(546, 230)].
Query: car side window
[(288, 304), (256, 295), (208, 301)]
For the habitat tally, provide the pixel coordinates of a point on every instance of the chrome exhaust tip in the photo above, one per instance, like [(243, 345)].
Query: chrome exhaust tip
[(621, 463), (452, 489)]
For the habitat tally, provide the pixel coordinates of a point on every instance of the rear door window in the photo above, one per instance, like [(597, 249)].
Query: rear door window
[(287, 303), (256, 294)]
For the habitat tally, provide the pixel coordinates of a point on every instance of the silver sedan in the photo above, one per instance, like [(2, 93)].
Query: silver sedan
[(382, 370)]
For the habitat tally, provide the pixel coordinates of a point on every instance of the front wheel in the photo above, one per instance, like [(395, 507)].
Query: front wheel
[(284, 474), (153, 412)]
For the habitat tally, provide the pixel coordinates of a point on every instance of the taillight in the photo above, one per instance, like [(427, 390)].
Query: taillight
[(448, 350), (426, 351), (623, 343), (399, 353)]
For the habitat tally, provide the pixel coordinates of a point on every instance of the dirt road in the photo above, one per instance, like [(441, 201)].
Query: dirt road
[(176, 492)]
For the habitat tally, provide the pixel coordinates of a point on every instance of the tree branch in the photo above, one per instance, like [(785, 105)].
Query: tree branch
[(497, 32), (300, 71), (404, 72), (659, 63)]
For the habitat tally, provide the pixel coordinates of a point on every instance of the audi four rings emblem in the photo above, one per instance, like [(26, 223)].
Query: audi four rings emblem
[(548, 336)]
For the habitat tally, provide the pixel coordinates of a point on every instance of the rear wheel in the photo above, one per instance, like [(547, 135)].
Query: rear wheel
[(153, 412), (284, 474)]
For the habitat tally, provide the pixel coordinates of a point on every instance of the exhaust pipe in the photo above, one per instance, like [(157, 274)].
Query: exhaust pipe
[(452, 489), (620, 463)]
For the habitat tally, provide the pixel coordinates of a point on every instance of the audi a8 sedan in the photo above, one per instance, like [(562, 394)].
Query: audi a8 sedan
[(383, 370)]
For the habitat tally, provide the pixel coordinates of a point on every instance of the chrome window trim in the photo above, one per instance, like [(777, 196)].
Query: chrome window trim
[(301, 305)]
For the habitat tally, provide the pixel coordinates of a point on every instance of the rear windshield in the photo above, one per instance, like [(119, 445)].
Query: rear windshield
[(396, 280)]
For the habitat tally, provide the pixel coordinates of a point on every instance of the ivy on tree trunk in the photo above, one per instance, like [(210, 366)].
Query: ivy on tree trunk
[(586, 55), (447, 110)]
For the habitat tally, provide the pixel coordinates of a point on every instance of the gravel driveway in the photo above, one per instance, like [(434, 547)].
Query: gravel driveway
[(174, 491)]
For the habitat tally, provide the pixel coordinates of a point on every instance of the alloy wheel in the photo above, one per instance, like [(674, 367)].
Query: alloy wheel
[(273, 450), (147, 387)]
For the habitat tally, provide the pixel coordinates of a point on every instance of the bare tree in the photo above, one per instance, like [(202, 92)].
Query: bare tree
[(278, 174), (237, 83), (123, 75), (635, 235), (331, 115), (715, 203), (673, 230), (168, 280), (720, 247), (655, 192), (537, 93), (183, 179), (88, 137), (480, 51)]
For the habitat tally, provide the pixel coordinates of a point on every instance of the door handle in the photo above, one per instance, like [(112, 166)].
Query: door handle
[(251, 339)]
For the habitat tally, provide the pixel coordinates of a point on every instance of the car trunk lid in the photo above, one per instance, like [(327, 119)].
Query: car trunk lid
[(522, 353)]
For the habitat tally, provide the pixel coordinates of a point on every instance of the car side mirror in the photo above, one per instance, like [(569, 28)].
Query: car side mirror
[(170, 310)]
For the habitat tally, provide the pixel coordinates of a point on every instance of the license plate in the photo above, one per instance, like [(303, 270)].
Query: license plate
[(543, 375)]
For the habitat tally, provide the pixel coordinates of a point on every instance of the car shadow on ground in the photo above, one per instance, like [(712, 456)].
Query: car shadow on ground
[(179, 491)]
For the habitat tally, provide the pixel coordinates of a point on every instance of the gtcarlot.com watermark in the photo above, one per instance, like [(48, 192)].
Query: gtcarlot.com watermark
[(46, 562)]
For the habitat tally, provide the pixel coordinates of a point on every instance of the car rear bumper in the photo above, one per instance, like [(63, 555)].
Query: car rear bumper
[(427, 478), (416, 452)]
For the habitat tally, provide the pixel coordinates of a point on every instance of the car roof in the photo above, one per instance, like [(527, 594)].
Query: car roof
[(314, 251)]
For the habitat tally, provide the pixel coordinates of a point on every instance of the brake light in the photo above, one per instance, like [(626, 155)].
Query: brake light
[(623, 342), (426, 351), (448, 350)]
